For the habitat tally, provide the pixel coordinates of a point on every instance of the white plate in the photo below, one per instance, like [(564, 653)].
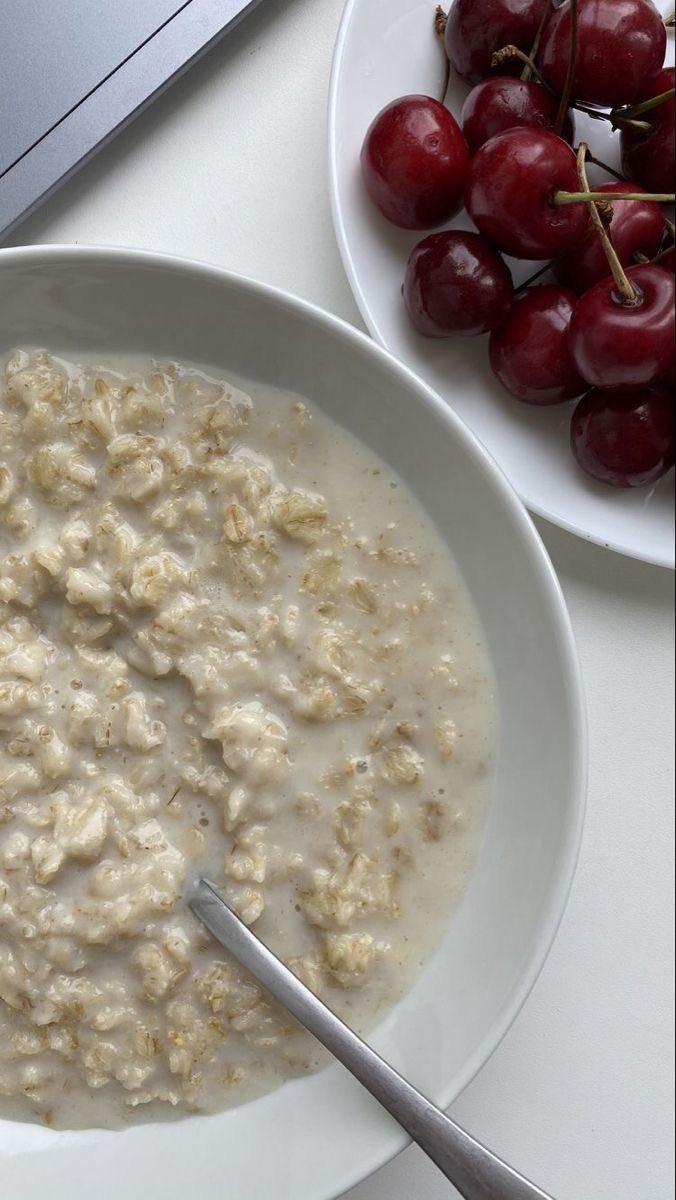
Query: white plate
[(385, 49), (316, 1137)]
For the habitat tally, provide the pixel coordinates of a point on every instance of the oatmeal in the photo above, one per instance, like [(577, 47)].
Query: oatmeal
[(231, 644)]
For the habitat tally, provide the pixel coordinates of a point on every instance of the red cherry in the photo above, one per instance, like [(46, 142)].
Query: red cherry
[(623, 438), (503, 102), (477, 28), (414, 162), (620, 49), (649, 157), (667, 260), (510, 188), (530, 353), (620, 345), (637, 226), (456, 283)]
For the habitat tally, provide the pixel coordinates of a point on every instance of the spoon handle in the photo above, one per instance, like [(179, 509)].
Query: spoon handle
[(476, 1173)]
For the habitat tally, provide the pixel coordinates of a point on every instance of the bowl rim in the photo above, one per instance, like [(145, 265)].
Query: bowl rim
[(665, 559), (550, 916)]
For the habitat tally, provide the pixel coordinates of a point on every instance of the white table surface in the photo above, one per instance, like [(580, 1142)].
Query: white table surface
[(229, 166)]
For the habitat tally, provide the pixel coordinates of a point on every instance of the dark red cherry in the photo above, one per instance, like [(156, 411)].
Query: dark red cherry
[(620, 49), (530, 353), (510, 191), (502, 102), (625, 438), (649, 157), (636, 227), (414, 163), (619, 345), (456, 283), (477, 28)]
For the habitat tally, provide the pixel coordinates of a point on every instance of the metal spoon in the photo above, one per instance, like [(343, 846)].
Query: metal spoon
[(475, 1172)]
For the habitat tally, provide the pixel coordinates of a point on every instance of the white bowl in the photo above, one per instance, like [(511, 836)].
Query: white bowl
[(385, 49), (316, 1137)]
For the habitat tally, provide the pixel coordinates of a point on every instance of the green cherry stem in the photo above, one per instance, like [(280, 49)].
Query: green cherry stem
[(534, 50), (598, 162), (662, 254), (570, 75), (636, 110), (622, 281), (562, 197), (598, 114), (531, 278), (630, 115), (508, 52)]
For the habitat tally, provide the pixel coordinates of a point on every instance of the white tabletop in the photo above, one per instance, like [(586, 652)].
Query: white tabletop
[(229, 166)]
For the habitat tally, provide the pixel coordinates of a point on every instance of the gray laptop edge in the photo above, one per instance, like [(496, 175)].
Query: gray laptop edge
[(75, 72)]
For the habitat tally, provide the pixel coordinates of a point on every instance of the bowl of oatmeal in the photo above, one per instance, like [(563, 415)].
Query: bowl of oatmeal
[(268, 612)]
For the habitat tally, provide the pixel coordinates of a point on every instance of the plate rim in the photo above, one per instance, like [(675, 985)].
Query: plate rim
[(666, 560), (388, 1146)]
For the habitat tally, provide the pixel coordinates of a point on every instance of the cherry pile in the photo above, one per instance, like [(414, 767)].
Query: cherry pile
[(603, 332)]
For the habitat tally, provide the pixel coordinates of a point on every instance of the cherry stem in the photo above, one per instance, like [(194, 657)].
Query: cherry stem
[(630, 114), (615, 118), (440, 21), (562, 197), (636, 110), (527, 282), (670, 20), (570, 75), (622, 281), (528, 69), (630, 123), (598, 162), (501, 56)]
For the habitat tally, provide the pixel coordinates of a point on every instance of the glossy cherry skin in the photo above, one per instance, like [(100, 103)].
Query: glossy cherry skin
[(649, 157), (456, 283), (636, 227), (502, 102), (620, 49), (530, 353), (414, 163), (625, 438), (510, 185), (616, 345), (477, 28)]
